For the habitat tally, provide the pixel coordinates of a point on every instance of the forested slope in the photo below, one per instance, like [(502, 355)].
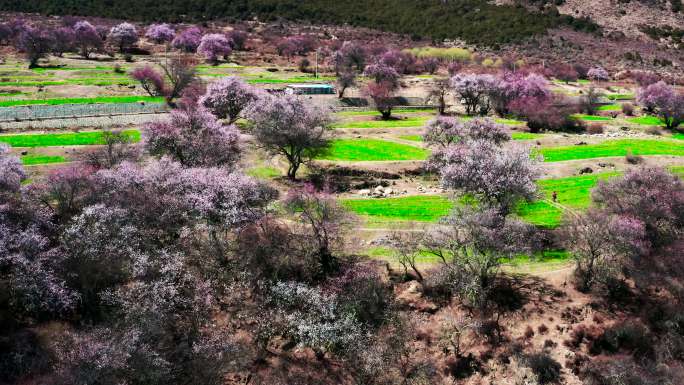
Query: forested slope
[(475, 21)]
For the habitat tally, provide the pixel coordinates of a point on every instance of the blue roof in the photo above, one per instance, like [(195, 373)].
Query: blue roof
[(310, 86)]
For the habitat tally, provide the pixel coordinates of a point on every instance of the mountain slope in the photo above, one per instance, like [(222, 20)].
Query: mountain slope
[(475, 21)]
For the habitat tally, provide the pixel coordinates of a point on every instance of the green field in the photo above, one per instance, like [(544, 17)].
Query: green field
[(573, 192), (30, 160), (422, 208), (620, 96), (413, 138), (611, 107), (525, 136), (647, 120), (79, 81), (99, 99), (414, 121), (608, 148), (263, 172), (50, 69), (514, 136), (372, 150), (592, 118), (547, 259), (65, 139)]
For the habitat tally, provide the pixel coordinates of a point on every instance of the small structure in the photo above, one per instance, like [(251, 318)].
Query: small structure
[(310, 89)]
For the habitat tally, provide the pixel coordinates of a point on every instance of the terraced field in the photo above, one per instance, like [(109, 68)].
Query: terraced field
[(610, 148), (573, 193), (61, 139), (355, 150)]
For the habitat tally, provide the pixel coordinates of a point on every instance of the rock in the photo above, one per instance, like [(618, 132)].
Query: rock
[(411, 294), (586, 170), (582, 143), (364, 192), (24, 152), (412, 297), (389, 191)]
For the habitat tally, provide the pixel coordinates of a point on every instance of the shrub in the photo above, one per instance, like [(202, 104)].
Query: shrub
[(654, 130), (544, 367), (529, 332), (633, 159), (595, 128), (632, 337), (628, 109), (553, 119)]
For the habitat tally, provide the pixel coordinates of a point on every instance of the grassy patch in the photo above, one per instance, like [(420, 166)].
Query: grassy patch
[(99, 99), (413, 138), (514, 136), (620, 96), (677, 170), (263, 172), (447, 54), (372, 150), (417, 121), (573, 192), (509, 122), (609, 148), (592, 118), (50, 69), (422, 208), (647, 120), (29, 160), (81, 82), (525, 136), (65, 139), (610, 107)]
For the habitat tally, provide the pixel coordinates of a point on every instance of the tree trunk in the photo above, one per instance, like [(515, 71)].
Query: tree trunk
[(327, 260), (292, 171)]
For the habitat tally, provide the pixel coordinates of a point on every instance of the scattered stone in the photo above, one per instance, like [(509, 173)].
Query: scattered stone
[(24, 152), (586, 170), (582, 143), (364, 192)]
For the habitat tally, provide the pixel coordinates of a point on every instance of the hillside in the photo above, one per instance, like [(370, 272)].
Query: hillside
[(617, 18), (629, 18), (474, 21)]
